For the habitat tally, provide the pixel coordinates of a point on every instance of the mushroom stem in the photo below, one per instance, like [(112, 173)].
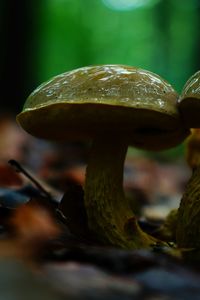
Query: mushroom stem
[(109, 214), (188, 226)]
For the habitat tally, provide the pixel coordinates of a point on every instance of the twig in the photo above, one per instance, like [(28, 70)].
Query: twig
[(20, 169)]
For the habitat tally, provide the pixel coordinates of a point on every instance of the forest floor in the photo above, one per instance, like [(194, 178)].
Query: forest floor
[(44, 253)]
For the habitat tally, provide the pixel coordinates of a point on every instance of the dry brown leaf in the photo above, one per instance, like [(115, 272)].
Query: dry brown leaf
[(8, 177)]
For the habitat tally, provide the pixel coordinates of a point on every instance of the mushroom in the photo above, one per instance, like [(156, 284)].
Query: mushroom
[(115, 106), (189, 102), (188, 224), (188, 217)]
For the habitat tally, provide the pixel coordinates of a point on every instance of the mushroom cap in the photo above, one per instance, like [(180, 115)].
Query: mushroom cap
[(128, 102), (189, 102)]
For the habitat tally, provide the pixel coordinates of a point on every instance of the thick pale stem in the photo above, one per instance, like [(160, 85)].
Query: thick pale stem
[(107, 208), (188, 226)]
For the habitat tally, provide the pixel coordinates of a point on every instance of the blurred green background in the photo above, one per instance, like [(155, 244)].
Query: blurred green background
[(41, 39)]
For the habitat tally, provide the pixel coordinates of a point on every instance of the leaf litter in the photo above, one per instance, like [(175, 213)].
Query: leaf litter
[(47, 251)]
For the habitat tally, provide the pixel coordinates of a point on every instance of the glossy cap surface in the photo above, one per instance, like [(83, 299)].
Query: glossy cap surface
[(189, 102), (132, 103)]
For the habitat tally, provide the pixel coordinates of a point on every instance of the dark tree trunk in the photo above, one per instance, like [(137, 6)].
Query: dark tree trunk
[(17, 38)]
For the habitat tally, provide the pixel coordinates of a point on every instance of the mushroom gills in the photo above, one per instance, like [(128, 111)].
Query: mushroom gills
[(153, 131), (190, 112)]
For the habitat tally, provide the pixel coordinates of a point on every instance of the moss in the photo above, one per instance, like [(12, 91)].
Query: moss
[(167, 230)]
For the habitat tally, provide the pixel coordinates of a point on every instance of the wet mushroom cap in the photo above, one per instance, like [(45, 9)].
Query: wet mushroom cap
[(189, 102), (132, 103)]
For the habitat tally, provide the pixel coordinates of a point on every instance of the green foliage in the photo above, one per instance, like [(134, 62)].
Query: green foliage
[(160, 37)]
